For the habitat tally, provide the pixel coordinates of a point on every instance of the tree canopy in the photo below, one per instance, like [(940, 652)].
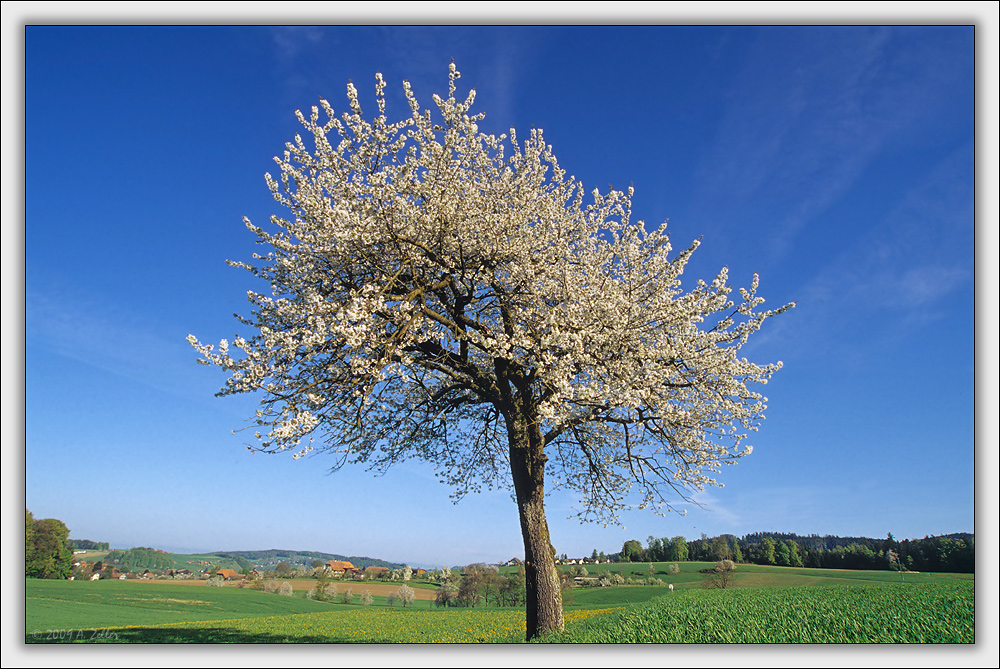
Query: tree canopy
[(452, 295), (47, 550)]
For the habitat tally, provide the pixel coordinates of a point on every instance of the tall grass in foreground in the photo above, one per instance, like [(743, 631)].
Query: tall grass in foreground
[(931, 613)]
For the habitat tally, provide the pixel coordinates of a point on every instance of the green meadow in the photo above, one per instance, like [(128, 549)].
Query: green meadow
[(764, 605), (869, 613)]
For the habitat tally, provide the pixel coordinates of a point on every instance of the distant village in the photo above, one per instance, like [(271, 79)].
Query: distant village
[(341, 569)]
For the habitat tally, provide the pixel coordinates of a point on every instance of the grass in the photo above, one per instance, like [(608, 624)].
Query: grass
[(64, 605), (767, 605), (872, 613)]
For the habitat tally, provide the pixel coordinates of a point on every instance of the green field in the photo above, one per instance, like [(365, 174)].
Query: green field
[(859, 613), (766, 605)]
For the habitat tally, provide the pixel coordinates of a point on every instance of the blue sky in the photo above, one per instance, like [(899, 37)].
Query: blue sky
[(841, 163)]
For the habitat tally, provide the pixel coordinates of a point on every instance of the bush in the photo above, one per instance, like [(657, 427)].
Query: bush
[(216, 581), (405, 594), (285, 589), (446, 594), (674, 569), (271, 587), (346, 597), (366, 598), (721, 576)]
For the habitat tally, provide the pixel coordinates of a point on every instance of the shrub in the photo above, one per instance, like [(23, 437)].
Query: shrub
[(271, 587), (217, 581), (405, 594), (674, 569), (346, 597), (285, 589), (446, 594), (366, 598), (721, 576)]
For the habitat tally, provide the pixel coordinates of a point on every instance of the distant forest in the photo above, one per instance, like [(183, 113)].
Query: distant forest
[(88, 545), (135, 559), (306, 558), (955, 553)]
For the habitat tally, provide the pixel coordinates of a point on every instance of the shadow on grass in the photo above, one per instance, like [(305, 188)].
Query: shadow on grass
[(187, 635)]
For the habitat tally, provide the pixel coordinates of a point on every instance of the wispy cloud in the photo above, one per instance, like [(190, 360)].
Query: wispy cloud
[(798, 135), (906, 264), (779, 508), (114, 340), (713, 505), (290, 41), (317, 61)]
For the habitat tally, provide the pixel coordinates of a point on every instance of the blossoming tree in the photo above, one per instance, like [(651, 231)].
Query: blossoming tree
[(448, 294)]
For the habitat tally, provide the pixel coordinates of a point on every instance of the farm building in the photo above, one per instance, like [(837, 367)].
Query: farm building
[(342, 568)]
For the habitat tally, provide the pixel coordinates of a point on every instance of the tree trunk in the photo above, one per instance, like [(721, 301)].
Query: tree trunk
[(543, 593)]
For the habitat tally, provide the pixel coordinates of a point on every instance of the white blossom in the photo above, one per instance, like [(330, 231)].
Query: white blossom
[(430, 281)]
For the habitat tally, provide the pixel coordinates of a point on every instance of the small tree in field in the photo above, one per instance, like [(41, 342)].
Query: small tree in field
[(722, 575), (405, 594), (469, 586), (448, 294), (447, 594), (895, 562)]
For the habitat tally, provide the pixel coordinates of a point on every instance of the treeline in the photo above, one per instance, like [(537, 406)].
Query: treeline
[(953, 553), (47, 549), (476, 584), (136, 559), (303, 557), (88, 545)]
